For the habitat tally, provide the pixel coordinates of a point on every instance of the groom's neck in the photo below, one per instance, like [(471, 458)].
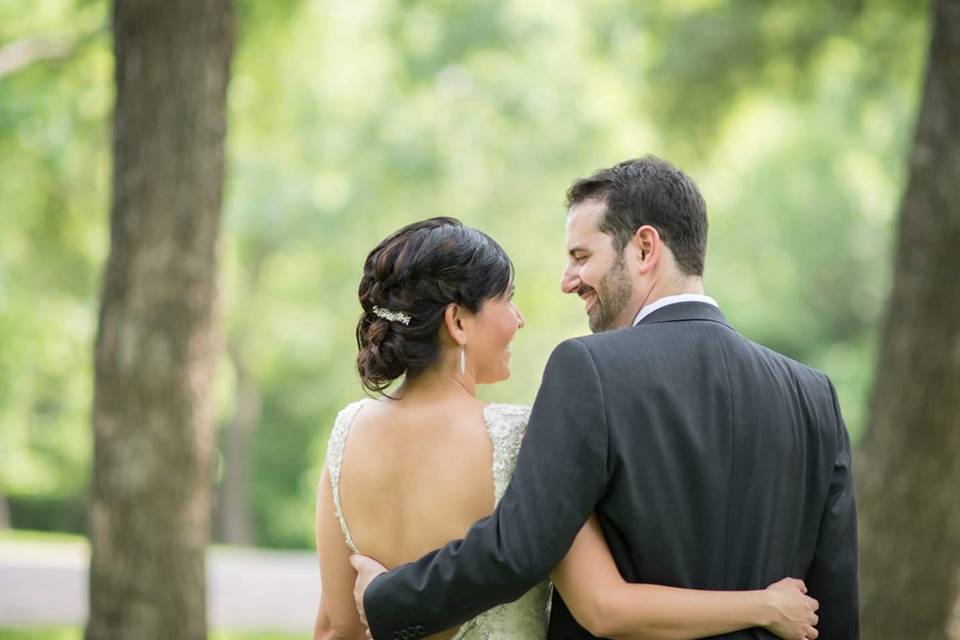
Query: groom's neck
[(676, 286), (673, 286)]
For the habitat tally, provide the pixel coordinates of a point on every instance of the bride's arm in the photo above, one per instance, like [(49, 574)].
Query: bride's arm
[(337, 617), (607, 606)]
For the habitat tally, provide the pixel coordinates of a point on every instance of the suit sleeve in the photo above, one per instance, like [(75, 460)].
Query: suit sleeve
[(832, 578), (561, 473)]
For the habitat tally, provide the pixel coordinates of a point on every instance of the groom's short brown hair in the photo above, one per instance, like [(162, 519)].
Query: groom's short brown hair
[(649, 191)]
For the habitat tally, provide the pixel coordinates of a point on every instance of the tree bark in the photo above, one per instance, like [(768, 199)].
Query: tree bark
[(909, 462), (234, 514), (4, 512), (158, 337)]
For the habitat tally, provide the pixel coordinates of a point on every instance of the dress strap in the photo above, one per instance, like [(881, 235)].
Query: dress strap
[(506, 424), (335, 447)]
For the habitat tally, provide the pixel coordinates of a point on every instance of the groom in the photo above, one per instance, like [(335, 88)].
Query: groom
[(710, 461)]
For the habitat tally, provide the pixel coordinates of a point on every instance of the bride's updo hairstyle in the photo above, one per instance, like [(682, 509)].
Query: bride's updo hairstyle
[(410, 278)]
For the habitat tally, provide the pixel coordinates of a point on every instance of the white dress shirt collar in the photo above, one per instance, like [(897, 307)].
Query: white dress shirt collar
[(666, 300)]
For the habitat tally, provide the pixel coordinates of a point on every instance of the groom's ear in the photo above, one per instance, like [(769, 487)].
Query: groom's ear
[(453, 319), (646, 241)]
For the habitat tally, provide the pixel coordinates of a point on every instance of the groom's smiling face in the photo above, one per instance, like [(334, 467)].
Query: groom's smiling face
[(596, 271)]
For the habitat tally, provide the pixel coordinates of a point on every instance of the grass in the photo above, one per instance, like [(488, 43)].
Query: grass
[(41, 633), (29, 535), (24, 535), (76, 633)]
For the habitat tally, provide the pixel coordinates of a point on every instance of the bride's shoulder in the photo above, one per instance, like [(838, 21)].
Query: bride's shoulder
[(337, 440), (345, 417), (347, 414)]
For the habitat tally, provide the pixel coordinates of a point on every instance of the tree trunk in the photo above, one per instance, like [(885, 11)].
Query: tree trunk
[(158, 340), (234, 521), (234, 517), (909, 466), (4, 511)]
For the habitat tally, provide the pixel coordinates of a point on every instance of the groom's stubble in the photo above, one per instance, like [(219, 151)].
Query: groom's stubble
[(613, 293)]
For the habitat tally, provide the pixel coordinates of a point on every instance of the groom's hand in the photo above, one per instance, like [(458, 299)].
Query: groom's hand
[(367, 570)]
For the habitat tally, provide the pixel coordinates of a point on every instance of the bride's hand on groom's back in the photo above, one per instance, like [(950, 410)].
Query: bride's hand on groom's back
[(793, 614)]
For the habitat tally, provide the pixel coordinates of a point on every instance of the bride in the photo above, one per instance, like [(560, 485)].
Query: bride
[(410, 471)]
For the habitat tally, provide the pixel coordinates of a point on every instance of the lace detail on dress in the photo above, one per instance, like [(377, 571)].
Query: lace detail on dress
[(335, 446), (506, 424), (526, 618)]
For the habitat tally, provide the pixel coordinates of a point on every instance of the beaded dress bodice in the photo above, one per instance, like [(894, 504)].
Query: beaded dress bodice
[(523, 619)]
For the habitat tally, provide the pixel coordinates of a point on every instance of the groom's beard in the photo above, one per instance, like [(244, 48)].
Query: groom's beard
[(612, 295)]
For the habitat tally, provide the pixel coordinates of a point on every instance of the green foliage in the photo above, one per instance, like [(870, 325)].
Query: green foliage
[(707, 57), (53, 178), (349, 119)]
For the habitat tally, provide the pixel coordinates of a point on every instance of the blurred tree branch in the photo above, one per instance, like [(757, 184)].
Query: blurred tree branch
[(703, 61), (21, 54)]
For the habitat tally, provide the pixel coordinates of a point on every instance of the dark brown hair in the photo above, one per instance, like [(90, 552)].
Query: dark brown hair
[(649, 191), (418, 271)]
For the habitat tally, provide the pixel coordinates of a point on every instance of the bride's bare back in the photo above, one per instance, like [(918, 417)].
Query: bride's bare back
[(415, 475), (405, 477)]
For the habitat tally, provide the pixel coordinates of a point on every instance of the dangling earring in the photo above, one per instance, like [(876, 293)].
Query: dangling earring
[(463, 361)]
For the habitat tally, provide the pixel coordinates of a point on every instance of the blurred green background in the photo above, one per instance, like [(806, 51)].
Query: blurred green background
[(350, 118)]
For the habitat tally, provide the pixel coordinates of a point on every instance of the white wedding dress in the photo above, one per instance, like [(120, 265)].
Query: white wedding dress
[(523, 619)]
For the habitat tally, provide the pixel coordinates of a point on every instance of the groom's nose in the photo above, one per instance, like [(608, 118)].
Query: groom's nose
[(569, 281)]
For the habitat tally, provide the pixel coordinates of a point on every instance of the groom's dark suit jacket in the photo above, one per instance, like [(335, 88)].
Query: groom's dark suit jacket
[(712, 463)]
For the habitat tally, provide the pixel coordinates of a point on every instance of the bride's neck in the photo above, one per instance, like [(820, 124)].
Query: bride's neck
[(435, 384)]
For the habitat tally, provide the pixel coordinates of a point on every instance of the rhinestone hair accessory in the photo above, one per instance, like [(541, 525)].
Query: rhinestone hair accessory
[(392, 316)]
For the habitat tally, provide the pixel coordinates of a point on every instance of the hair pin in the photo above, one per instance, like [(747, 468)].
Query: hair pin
[(393, 316)]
